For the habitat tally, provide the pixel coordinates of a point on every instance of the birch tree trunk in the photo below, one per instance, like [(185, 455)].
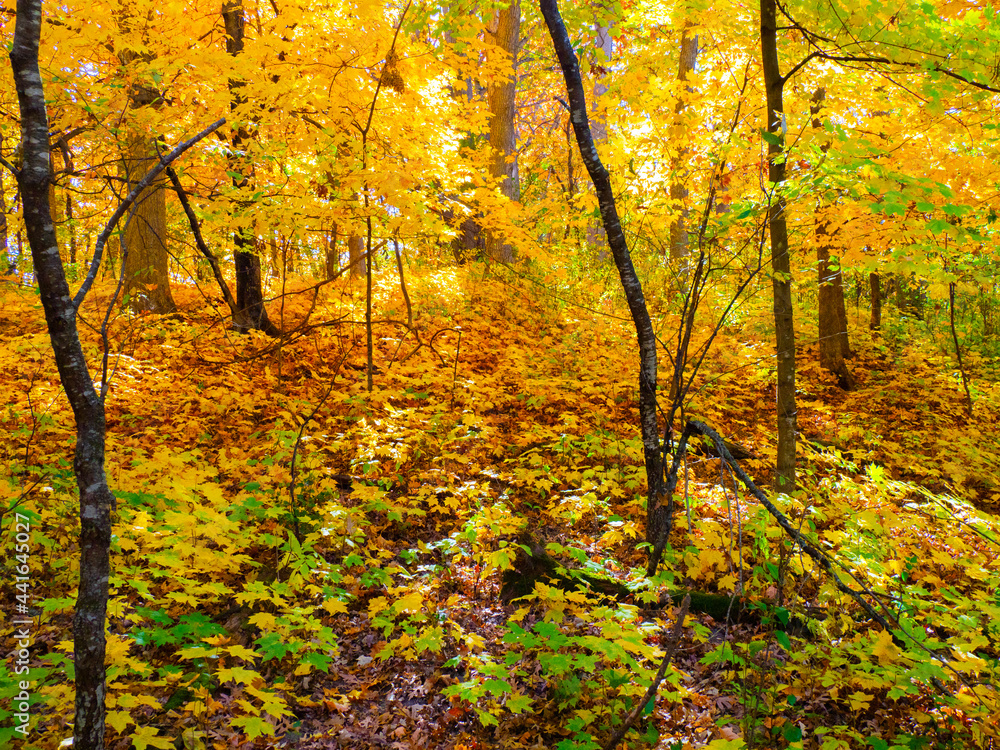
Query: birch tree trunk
[(96, 499), (657, 518)]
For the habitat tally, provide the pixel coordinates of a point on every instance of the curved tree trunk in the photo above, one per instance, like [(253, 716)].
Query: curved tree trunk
[(657, 517), (781, 269), (503, 133)]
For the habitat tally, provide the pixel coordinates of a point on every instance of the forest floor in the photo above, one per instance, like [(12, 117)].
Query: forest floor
[(299, 561)]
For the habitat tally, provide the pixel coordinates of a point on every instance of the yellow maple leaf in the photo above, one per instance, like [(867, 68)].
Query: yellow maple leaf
[(118, 720), (884, 649), (146, 736)]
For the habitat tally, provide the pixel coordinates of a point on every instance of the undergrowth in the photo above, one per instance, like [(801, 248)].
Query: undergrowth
[(254, 599)]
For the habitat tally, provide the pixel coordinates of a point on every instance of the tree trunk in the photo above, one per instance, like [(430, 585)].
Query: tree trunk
[(96, 499), (147, 278), (596, 232), (875, 282), (4, 247), (355, 254), (503, 133), (272, 244), (781, 270), (678, 182), (657, 518), (144, 250), (332, 255), (831, 312), (70, 228), (834, 348), (249, 285)]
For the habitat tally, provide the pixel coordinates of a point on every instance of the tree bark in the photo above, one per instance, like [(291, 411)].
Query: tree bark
[(656, 512), (144, 249), (96, 499), (355, 253), (781, 270), (503, 133), (249, 284), (678, 183), (875, 282), (596, 232), (4, 247), (831, 313), (147, 278), (332, 265)]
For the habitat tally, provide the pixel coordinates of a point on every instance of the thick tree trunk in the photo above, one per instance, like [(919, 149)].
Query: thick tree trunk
[(678, 183), (468, 242), (144, 249), (781, 269), (249, 284), (596, 232), (96, 499), (332, 265), (70, 229), (834, 348), (875, 282), (355, 254), (503, 133), (147, 278), (657, 519), (831, 312)]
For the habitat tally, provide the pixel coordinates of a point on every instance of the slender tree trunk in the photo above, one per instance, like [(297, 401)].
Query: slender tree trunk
[(875, 283), (503, 132), (657, 519), (96, 499), (249, 284), (678, 183), (781, 269)]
